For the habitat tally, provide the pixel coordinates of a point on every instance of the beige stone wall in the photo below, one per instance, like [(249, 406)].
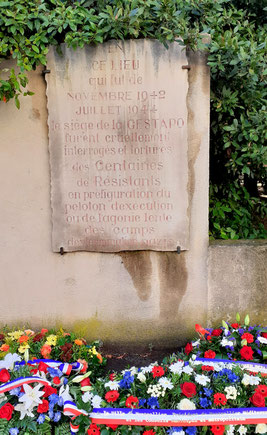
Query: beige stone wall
[(237, 280), (131, 297)]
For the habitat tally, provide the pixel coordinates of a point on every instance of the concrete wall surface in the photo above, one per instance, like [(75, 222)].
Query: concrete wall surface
[(237, 280)]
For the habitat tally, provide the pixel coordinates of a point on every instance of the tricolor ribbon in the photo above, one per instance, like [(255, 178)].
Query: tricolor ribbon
[(246, 365), (70, 409), (174, 418), (20, 381), (63, 367)]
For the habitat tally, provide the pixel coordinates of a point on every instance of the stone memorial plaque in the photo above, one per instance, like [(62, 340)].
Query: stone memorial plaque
[(117, 121)]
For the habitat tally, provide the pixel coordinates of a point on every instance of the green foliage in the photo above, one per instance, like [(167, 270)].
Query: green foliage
[(238, 74)]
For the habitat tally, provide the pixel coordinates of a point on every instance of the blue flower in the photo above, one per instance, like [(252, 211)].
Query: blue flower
[(15, 391), (57, 416), (208, 392), (127, 380), (53, 398), (60, 401), (204, 402), (54, 372), (41, 419), (152, 402), (174, 430), (51, 414), (13, 431), (142, 402), (65, 381), (191, 430)]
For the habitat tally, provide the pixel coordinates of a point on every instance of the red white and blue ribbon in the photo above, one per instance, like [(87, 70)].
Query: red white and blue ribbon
[(20, 381), (63, 367), (174, 418), (70, 409), (246, 365)]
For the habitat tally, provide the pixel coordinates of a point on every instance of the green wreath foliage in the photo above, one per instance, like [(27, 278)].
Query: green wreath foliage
[(238, 74)]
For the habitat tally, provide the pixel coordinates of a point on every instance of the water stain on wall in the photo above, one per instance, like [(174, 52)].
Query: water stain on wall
[(139, 266), (173, 283)]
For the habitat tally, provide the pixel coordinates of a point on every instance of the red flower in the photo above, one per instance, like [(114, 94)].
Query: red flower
[(112, 426), (43, 407), (85, 382), (149, 432), (132, 402), (207, 368), (49, 390), (216, 332), (6, 411), (34, 371), (2, 337), (93, 429), (209, 337), (4, 375), (246, 353), (258, 400), (217, 430), (219, 399), (261, 389), (112, 376), (189, 389), (56, 380), (112, 396), (42, 367), (247, 336), (38, 337), (235, 325), (188, 348), (157, 371), (209, 354), (264, 334)]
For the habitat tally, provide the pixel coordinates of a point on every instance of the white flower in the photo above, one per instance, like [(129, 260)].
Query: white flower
[(141, 377), (87, 397), (231, 430), (262, 340), (261, 428), (188, 370), (185, 404), (231, 392), (165, 383), (9, 361), (225, 342), (32, 396), (195, 343), (156, 391), (149, 368), (113, 385), (96, 401), (202, 380), (24, 411), (64, 393), (181, 432), (250, 380), (177, 367), (242, 430)]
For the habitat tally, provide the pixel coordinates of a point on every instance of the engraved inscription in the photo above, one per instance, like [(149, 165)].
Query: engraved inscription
[(118, 147)]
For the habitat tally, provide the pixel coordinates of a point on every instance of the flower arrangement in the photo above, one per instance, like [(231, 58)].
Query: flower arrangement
[(233, 341), (45, 396), (51, 344), (178, 385)]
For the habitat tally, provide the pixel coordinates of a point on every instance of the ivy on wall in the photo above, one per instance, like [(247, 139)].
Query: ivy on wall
[(238, 76)]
